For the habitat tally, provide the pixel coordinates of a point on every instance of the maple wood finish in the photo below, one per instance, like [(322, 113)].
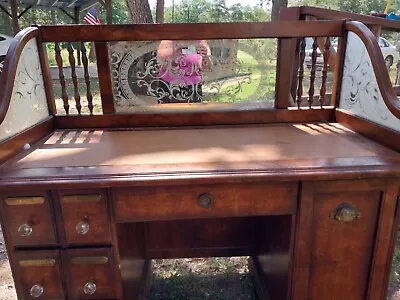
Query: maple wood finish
[(313, 203)]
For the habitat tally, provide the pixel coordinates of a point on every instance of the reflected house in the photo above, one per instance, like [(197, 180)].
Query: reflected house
[(136, 70)]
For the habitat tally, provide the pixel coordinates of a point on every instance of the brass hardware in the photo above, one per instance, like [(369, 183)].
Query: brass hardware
[(81, 198), (89, 260), (345, 213), (37, 263), (24, 200), (205, 200)]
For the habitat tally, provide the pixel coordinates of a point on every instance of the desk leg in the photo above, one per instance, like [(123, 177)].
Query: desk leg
[(136, 270)]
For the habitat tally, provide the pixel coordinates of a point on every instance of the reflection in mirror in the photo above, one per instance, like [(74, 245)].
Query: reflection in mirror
[(154, 75)]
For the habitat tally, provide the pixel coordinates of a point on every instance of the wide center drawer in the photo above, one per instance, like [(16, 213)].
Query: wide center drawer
[(204, 201)]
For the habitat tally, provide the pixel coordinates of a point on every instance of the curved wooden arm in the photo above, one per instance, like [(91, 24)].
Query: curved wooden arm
[(382, 75), (7, 78)]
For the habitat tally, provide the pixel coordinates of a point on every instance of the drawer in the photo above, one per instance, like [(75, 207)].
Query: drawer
[(91, 274), (39, 274), (29, 220), (85, 218), (204, 201)]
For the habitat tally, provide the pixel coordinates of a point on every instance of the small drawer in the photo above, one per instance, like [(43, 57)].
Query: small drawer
[(92, 274), (85, 218), (29, 220), (204, 201), (39, 274)]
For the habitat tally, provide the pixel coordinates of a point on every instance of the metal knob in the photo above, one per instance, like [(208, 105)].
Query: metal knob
[(36, 291), (345, 213), (83, 227), (89, 288), (205, 200), (25, 230)]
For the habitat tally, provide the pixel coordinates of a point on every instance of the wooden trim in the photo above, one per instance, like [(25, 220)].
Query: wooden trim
[(284, 71), (7, 78), (48, 82), (329, 14), (338, 75), (382, 76), (104, 71), (13, 145), (201, 118), (373, 131), (155, 32), (290, 14)]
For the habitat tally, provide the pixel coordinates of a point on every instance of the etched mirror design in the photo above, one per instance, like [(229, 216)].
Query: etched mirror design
[(151, 75), (28, 104), (360, 92)]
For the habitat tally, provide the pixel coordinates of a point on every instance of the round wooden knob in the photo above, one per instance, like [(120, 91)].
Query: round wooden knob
[(83, 227), (89, 288), (205, 200), (36, 291), (25, 229)]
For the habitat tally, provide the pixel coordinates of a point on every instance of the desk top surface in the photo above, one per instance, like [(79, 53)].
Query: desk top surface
[(229, 150)]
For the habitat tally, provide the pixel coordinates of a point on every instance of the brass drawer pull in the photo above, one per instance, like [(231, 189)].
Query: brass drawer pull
[(345, 213), (89, 288), (36, 291), (205, 200), (25, 229), (24, 200), (83, 227), (81, 198)]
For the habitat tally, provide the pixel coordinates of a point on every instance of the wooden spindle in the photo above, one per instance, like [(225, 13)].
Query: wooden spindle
[(312, 73), (59, 61), (87, 78), (74, 78), (324, 76), (301, 71)]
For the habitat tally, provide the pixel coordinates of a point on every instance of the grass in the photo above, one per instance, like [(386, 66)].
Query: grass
[(202, 278)]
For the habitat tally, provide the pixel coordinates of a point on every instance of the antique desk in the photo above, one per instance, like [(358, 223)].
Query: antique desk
[(309, 192)]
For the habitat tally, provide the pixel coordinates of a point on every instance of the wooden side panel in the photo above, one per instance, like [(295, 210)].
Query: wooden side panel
[(342, 251)]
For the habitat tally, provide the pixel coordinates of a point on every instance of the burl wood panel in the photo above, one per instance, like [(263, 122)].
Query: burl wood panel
[(34, 209), (341, 252), (181, 202), (85, 206), (43, 268), (97, 265)]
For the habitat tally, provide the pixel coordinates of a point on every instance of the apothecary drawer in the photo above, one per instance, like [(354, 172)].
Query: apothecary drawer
[(39, 274), (29, 220), (204, 201), (85, 217), (91, 273)]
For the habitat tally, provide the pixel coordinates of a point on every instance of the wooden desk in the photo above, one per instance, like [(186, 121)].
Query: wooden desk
[(313, 205)]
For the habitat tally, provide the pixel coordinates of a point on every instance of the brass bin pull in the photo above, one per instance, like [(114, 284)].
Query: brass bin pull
[(345, 213)]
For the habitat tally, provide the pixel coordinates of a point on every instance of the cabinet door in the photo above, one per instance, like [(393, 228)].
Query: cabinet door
[(339, 224)]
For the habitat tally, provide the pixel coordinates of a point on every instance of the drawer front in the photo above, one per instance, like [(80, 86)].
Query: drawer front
[(91, 273), (39, 274), (29, 220), (85, 218), (344, 228), (204, 201)]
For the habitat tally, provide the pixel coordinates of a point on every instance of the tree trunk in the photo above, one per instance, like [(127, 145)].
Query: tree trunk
[(139, 11), (160, 11), (276, 6)]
